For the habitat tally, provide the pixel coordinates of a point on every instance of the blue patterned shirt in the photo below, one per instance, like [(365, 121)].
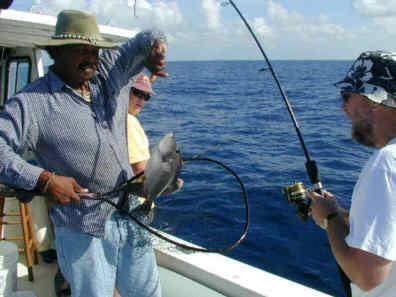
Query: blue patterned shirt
[(72, 137)]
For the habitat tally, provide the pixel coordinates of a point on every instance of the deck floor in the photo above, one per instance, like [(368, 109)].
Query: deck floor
[(43, 284)]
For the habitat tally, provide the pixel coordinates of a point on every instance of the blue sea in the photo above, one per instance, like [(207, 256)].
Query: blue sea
[(231, 103)]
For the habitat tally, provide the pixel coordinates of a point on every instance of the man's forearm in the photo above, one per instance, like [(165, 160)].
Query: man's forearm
[(345, 216), (337, 230)]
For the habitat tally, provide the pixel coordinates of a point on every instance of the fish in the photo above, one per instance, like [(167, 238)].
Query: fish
[(161, 173), (163, 168)]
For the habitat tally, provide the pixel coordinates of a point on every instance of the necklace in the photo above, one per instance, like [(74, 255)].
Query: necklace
[(84, 95)]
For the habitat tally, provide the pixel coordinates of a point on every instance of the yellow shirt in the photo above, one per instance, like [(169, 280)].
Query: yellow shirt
[(138, 144)]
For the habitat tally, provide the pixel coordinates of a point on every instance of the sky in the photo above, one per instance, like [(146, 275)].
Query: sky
[(211, 30)]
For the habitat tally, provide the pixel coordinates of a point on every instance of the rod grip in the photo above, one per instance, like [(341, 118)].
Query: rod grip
[(314, 176)]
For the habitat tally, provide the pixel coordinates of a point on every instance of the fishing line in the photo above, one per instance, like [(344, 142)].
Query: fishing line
[(105, 197), (211, 148), (312, 169), (194, 247), (184, 244)]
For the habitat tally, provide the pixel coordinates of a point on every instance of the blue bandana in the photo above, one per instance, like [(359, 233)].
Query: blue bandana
[(373, 75)]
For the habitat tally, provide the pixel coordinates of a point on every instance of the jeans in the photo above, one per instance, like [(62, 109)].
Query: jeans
[(123, 259)]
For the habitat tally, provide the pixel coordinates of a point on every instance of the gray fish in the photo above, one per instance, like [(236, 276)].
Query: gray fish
[(163, 168), (161, 173)]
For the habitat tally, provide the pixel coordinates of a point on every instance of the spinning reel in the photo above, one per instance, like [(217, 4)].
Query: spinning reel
[(297, 194)]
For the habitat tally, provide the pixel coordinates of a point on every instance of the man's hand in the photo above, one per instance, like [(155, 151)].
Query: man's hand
[(322, 206), (61, 189), (174, 187), (64, 190), (155, 62)]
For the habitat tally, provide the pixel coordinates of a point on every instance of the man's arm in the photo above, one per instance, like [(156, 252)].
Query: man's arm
[(17, 135), (364, 269), (147, 49), (139, 166)]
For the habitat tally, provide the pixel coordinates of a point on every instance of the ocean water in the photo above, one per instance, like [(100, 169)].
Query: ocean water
[(233, 105)]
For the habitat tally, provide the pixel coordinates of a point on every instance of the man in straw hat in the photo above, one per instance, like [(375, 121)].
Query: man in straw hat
[(73, 119), (363, 239)]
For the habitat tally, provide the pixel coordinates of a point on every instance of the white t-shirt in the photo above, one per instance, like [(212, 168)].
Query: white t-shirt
[(372, 215)]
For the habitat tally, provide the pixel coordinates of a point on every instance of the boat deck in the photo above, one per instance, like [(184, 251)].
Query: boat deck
[(195, 275), (43, 284)]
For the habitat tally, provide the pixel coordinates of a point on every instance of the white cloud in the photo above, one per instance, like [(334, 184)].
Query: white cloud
[(260, 26), (204, 29), (381, 15), (386, 25), (164, 14), (52, 7), (375, 8), (277, 27), (284, 23), (212, 12), (167, 15)]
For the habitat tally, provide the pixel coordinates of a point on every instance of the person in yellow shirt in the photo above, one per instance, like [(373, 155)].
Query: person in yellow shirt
[(138, 144)]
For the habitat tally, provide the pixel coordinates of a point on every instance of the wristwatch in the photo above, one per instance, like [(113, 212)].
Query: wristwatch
[(328, 218)]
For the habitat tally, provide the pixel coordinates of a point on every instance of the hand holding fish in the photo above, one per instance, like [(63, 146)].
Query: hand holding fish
[(176, 187), (322, 207), (155, 62)]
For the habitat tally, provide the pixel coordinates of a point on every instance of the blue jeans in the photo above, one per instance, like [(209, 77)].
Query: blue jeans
[(124, 259)]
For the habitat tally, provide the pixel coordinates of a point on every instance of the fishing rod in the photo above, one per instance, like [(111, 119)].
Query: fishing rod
[(296, 193)]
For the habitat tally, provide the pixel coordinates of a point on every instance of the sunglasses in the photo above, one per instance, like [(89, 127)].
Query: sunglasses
[(141, 94)]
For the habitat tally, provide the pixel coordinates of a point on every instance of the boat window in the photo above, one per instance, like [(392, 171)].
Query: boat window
[(18, 75)]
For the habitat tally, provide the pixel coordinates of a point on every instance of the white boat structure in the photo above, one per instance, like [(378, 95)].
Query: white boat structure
[(182, 274)]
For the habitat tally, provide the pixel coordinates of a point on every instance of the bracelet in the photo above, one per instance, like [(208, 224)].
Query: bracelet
[(328, 218), (51, 178)]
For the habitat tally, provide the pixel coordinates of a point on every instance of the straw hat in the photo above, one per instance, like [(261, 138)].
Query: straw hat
[(76, 27)]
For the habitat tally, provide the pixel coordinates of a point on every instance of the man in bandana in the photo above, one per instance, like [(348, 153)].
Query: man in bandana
[(363, 239)]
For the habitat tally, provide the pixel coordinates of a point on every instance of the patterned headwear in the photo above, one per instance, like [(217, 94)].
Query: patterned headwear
[(143, 83), (373, 75)]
